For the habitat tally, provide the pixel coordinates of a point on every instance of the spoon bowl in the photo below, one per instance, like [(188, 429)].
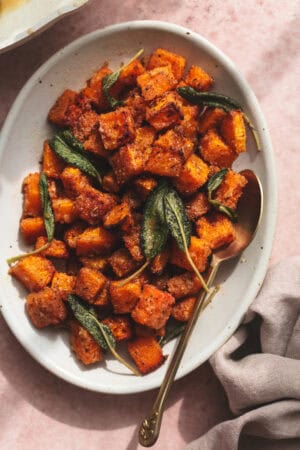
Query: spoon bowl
[(249, 212)]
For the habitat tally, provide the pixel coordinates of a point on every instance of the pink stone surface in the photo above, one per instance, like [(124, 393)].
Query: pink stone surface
[(40, 411)]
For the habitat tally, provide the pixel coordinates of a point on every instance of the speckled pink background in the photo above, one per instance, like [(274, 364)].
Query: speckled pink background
[(40, 411)]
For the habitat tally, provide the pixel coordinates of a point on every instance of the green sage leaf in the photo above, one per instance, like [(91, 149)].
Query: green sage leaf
[(89, 321), (71, 140), (213, 99), (172, 333), (231, 213), (154, 232), (66, 152), (177, 220), (215, 181), (47, 208)]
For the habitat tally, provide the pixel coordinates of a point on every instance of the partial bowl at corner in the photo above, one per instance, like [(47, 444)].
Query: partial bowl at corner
[(21, 142)]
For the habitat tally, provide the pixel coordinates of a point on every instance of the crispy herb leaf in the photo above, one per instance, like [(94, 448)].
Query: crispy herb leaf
[(89, 321), (47, 208), (215, 181), (154, 231), (231, 213), (110, 79), (172, 333), (71, 140), (208, 98), (66, 152), (177, 220)]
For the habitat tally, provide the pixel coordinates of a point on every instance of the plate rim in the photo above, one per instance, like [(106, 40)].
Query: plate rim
[(270, 218)]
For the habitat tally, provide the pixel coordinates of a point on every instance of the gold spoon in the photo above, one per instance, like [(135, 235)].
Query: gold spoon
[(249, 212)]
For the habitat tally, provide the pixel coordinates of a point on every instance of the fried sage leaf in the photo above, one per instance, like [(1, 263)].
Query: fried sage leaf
[(213, 184), (47, 208), (154, 231), (110, 79), (100, 332), (172, 333), (180, 227), (72, 141), (73, 157)]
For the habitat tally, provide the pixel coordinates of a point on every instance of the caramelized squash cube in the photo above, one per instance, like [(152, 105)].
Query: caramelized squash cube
[(193, 175), (89, 283), (233, 131), (217, 230), (93, 144), (183, 310), (31, 228), (120, 327), (73, 232), (124, 298), (92, 205), (172, 140), (64, 210), (116, 215), (231, 189), (211, 118), (137, 106), (197, 206), (161, 57), (145, 186), (116, 128), (165, 111), (132, 241), (32, 206), (198, 79), (95, 241), (94, 90), (63, 284), (199, 250), (187, 126), (86, 349), (56, 249), (160, 261), (57, 114), (74, 181), (129, 161), (85, 124), (153, 308), (146, 353), (110, 183), (34, 272), (122, 262), (164, 162), (45, 308), (53, 165), (214, 150), (102, 299), (129, 74), (153, 83), (184, 284)]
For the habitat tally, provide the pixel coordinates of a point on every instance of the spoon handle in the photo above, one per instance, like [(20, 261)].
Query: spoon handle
[(149, 430)]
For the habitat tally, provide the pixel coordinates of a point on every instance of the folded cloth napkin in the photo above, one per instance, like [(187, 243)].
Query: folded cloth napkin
[(259, 368)]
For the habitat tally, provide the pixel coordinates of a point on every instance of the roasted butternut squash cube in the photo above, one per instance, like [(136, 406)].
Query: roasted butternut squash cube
[(164, 162), (72, 233), (31, 228), (137, 106), (214, 150), (64, 210), (153, 308), (160, 261), (143, 331), (116, 215), (116, 128), (89, 283), (231, 189), (233, 131), (57, 114), (93, 144), (146, 353), (85, 124), (32, 206), (56, 249), (153, 83), (165, 111), (94, 262), (217, 230), (161, 57), (52, 164), (197, 206), (95, 241), (122, 263), (211, 118), (144, 137), (145, 185), (74, 181), (45, 308), (102, 300), (132, 241), (187, 126), (86, 349), (63, 284), (120, 327), (129, 74), (92, 205), (198, 79), (129, 161), (110, 183), (199, 250), (183, 310), (34, 272), (183, 285), (172, 140), (124, 298), (193, 175)]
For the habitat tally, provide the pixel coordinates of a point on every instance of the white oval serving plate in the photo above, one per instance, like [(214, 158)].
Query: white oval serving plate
[(21, 142), (20, 20)]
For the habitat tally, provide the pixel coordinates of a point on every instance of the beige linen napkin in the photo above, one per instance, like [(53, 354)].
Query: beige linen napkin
[(259, 368)]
